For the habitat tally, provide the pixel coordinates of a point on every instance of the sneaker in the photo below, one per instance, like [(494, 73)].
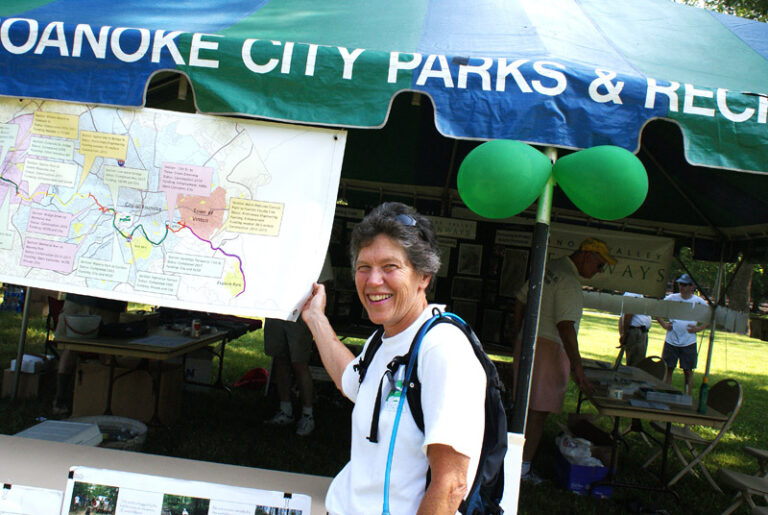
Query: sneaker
[(280, 419), (59, 410), (305, 426), (532, 478)]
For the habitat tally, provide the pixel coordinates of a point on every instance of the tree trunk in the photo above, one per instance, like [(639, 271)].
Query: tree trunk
[(739, 292)]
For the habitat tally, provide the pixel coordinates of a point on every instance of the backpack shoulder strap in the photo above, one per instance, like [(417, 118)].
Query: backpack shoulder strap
[(362, 366), (413, 395)]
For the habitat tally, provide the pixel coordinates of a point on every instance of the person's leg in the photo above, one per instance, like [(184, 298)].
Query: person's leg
[(688, 361), (534, 428), (281, 375), (669, 356), (688, 374), (276, 345), (65, 383), (637, 346), (304, 382), (300, 345)]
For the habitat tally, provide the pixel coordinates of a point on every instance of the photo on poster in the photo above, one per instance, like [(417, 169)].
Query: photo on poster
[(466, 288), (513, 271), (92, 498), (273, 510), (466, 310), (184, 505), (470, 259)]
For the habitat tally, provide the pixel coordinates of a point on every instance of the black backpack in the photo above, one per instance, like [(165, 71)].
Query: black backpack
[(485, 495)]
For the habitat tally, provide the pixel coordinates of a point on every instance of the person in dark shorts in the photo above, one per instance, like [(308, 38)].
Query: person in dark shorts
[(680, 341)]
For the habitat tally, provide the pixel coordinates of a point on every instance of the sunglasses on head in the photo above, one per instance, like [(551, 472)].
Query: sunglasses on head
[(407, 220)]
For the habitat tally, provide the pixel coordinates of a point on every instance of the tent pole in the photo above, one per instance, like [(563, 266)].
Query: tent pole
[(718, 295), (531, 321), (22, 342)]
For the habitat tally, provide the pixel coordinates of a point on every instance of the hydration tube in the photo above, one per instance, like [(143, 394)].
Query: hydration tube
[(406, 380)]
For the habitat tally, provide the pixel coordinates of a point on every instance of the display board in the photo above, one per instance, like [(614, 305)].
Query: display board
[(484, 263), (158, 207)]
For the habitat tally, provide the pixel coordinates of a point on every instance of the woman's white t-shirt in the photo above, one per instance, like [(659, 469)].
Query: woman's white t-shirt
[(453, 400)]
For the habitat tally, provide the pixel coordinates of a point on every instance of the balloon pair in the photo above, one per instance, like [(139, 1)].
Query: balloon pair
[(501, 178)]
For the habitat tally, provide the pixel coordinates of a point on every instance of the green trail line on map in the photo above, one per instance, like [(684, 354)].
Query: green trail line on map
[(129, 237)]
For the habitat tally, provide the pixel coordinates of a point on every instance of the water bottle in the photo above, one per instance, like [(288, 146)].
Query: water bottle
[(703, 394)]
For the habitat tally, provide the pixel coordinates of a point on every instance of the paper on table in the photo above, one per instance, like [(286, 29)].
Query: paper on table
[(648, 404)]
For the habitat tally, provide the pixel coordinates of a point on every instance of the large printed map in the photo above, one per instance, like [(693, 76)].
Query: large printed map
[(159, 207)]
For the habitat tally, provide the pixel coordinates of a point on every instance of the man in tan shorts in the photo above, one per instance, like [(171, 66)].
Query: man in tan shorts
[(557, 347)]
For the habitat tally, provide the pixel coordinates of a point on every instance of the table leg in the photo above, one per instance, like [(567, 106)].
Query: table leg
[(110, 384), (664, 452), (219, 383)]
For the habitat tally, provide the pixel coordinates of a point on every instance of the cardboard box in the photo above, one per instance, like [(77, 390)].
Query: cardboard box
[(29, 384), (578, 478), (133, 393), (198, 366)]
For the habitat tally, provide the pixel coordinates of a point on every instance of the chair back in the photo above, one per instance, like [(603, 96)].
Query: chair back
[(725, 396), (653, 365)]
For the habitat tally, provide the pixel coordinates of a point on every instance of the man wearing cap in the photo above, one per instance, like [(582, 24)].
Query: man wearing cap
[(680, 341), (557, 347), (633, 334)]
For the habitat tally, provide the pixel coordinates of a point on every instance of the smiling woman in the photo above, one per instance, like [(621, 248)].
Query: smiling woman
[(395, 254)]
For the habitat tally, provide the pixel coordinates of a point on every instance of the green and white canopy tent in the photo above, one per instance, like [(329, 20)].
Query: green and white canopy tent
[(683, 88)]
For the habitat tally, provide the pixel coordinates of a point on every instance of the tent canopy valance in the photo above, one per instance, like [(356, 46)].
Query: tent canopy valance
[(563, 73)]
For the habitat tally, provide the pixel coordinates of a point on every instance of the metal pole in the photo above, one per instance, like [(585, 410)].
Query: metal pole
[(22, 342), (531, 319), (704, 390), (718, 298)]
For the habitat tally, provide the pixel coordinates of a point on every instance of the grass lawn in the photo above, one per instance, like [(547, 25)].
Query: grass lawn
[(228, 428)]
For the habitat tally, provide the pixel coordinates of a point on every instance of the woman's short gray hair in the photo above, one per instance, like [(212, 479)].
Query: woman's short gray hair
[(403, 224)]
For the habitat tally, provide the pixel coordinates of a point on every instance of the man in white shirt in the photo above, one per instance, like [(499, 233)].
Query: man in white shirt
[(680, 341), (633, 334)]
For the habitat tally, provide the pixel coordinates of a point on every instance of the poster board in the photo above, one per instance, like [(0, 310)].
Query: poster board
[(160, 207), (125, 493)]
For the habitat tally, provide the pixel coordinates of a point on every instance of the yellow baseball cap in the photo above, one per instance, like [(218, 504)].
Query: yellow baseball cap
[(599, 246)]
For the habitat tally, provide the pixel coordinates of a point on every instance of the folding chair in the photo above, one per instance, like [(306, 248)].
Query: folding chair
[(654, 366), (747, 485), (54, 310), (725, 397)]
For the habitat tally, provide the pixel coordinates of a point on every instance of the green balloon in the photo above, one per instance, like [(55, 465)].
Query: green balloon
[(605, 182), (501, 178)]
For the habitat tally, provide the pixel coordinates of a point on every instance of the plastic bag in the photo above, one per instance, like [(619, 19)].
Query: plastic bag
[(577, 450)]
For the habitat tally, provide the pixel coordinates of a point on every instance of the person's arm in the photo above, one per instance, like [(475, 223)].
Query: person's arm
[(448, 484), (698, 326), (334, 354), (567, 332), (663, 323)]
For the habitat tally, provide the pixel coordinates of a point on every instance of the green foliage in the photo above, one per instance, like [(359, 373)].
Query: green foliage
[(754, 9), (705, 272)]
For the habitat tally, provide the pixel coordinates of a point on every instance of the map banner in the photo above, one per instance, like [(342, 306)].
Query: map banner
[(165, 208)]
